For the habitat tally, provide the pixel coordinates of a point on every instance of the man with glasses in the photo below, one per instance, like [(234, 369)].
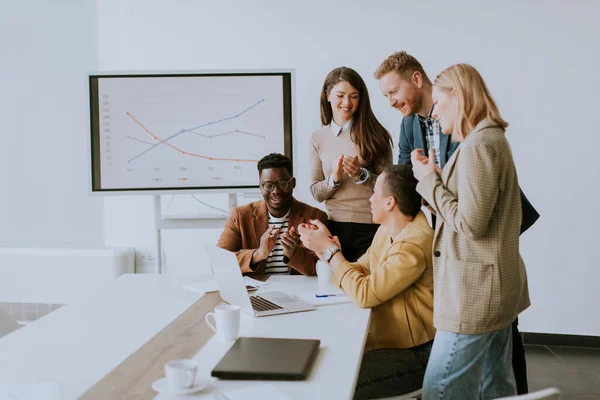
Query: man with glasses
[(264, 234)]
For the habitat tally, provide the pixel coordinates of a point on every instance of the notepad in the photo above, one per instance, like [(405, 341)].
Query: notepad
[(210, 286), (202, 287), (253, 282), (329, 288), (311, 298)]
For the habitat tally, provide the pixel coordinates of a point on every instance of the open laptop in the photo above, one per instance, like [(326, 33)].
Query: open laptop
[(226, 269)]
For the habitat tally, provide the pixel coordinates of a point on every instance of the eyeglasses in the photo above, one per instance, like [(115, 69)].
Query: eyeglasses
[(281, 185)]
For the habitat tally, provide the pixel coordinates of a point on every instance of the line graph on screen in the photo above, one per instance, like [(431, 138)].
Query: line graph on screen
[(178, 132)]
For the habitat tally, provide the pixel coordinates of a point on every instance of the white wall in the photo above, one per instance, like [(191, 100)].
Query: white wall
[(47, 48), (539, 59)]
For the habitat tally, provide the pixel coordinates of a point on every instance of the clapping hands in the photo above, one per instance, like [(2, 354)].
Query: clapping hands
[(289, 240), (267, 242), (348, 165), (316, 237), (423, 166), (352, 167)]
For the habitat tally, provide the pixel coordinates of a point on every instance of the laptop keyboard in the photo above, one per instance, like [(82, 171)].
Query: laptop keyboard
[(262, 304)]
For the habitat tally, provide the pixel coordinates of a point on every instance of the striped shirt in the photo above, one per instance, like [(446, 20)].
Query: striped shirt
[(274, 263)]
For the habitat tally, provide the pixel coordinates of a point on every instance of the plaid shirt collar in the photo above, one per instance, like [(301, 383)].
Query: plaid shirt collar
[(432, 130), (428, 117)]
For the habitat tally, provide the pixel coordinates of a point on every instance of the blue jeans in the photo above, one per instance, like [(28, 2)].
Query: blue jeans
[(469, 367)]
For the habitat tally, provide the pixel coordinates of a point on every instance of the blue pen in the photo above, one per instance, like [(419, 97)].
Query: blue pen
[(325, 295)]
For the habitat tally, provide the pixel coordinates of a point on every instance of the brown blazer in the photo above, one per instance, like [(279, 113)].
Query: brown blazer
[(480, 283), (247, 224)]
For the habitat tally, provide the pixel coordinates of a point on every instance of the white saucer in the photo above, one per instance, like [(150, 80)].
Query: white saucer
[(160, 385)]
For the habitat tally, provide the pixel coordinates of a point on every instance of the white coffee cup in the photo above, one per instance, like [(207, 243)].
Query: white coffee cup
[(325, 275), (180, 374), (227, 322)]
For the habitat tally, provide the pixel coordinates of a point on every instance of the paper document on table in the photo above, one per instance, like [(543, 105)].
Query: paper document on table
[(253, 282), (210, 286), (202, 287), (329, 289), (312, 298), (255, 392), (38, 391)]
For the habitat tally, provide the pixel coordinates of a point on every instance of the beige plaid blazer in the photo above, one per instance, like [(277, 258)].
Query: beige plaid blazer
[(480, 283)]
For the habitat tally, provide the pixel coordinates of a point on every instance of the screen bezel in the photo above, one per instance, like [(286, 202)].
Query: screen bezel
[(94, 150)]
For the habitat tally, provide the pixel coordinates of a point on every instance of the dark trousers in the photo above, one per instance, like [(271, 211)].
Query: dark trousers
[(519, 363), (355, 238), (392, 372)]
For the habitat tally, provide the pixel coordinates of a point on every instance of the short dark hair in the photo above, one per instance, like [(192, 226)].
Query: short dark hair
[(275, 160), (401, 184)]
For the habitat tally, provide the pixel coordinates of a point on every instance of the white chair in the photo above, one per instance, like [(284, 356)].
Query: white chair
[(408, 396), (7, 323), (545, 394)]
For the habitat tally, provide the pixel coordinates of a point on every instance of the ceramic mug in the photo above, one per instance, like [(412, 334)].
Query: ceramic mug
[(324, 275), (227, 322), (180, 374)]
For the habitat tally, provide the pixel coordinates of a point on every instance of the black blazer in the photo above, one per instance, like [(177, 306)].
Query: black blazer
[(412, 137)]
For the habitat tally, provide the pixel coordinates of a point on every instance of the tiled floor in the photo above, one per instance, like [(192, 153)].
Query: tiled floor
[(574, 370)]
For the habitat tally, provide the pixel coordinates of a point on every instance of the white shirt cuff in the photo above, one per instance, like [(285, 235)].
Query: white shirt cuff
[(331, 183)]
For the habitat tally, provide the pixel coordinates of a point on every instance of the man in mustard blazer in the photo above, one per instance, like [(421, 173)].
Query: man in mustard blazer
[(395, 278), (263, 234)]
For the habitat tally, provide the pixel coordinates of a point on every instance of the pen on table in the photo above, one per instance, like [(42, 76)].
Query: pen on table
[(325, 295)]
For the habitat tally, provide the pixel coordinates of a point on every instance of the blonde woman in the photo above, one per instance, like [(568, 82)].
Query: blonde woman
[(347, 154), (480, 283)]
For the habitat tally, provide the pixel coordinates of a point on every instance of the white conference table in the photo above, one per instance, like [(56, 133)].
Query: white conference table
[(79, 344)]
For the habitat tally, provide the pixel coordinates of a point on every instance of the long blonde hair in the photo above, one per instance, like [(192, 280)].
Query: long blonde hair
[(475, 103)]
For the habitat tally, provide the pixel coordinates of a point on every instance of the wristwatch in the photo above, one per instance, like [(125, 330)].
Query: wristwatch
[(330, 252), (332, 183), (364, 175)]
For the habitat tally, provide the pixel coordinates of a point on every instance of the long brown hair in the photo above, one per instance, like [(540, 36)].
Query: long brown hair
[(372, 139), (475, 103)]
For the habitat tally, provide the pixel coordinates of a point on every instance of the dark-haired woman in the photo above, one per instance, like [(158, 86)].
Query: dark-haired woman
[(347, 153)]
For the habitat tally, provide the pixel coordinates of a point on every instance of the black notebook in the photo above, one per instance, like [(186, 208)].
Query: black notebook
[(268, 359)]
